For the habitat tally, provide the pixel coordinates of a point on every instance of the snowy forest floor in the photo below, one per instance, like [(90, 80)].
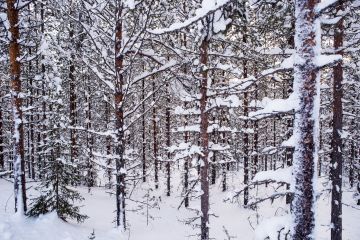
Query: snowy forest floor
[(166, 221)]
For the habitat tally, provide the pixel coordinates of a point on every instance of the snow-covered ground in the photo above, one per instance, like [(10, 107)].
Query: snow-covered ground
[(165, 221)]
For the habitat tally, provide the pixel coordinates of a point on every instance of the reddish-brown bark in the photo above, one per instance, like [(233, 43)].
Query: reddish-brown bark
[(204, 142), (336, 153), (15, 86)]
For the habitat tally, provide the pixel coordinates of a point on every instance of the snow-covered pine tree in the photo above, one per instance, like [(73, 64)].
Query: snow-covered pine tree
[(57, 170)]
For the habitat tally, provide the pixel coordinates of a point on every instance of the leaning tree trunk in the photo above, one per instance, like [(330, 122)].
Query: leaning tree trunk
[(204, 139), (15, 88), (119, 116), (336, 154), (306, 85)]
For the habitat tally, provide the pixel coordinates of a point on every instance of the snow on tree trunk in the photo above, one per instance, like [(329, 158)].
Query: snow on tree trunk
[(155, 142), (119, 115), (72, 95), (306, 86), (2, 162), (15, 88), (168, 142), (336, 154), (204, 138), (143, 131), (246, 143), (246, 124)]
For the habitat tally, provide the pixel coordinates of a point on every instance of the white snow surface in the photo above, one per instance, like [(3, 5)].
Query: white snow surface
[(278, 175), (166, 221)]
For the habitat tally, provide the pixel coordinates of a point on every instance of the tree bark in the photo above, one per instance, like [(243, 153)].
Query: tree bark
[(143, 132), (246, 143), (306, 85), (168, 143), (15, 88), (108, 146), (204, 138), (256, 140), (2, 162), (72, 91), (119, 115), (336, 152), (186, 166), (89, 142), (246, 134), (156, 160)]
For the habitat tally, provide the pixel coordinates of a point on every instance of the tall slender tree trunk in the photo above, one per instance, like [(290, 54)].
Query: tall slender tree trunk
[(246, 144), (72, 92), (143, 132), (108, 146), (336, 152), (289, 152), (246, 134), (204, 141), (256, 140), (31, 145), (42, 130), (168, 143), (155, 142), (186, 165), (119, 115), (15, 88), (306, 85), (89, 142), (2, 162)]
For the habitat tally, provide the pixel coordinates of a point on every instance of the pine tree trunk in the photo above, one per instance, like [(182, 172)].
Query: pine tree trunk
[(119, 116), (32, 145), (336, 154), (246, 134), (256, 140), (246, 145), (352, 161), (204, 138), (108, 146), (143, 132), (72, 95), (306, 85), (156, 160), (31, 124), (186, 166), (89, 143), (168, 143), (15, 88), (42, 132), (2, 162)]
